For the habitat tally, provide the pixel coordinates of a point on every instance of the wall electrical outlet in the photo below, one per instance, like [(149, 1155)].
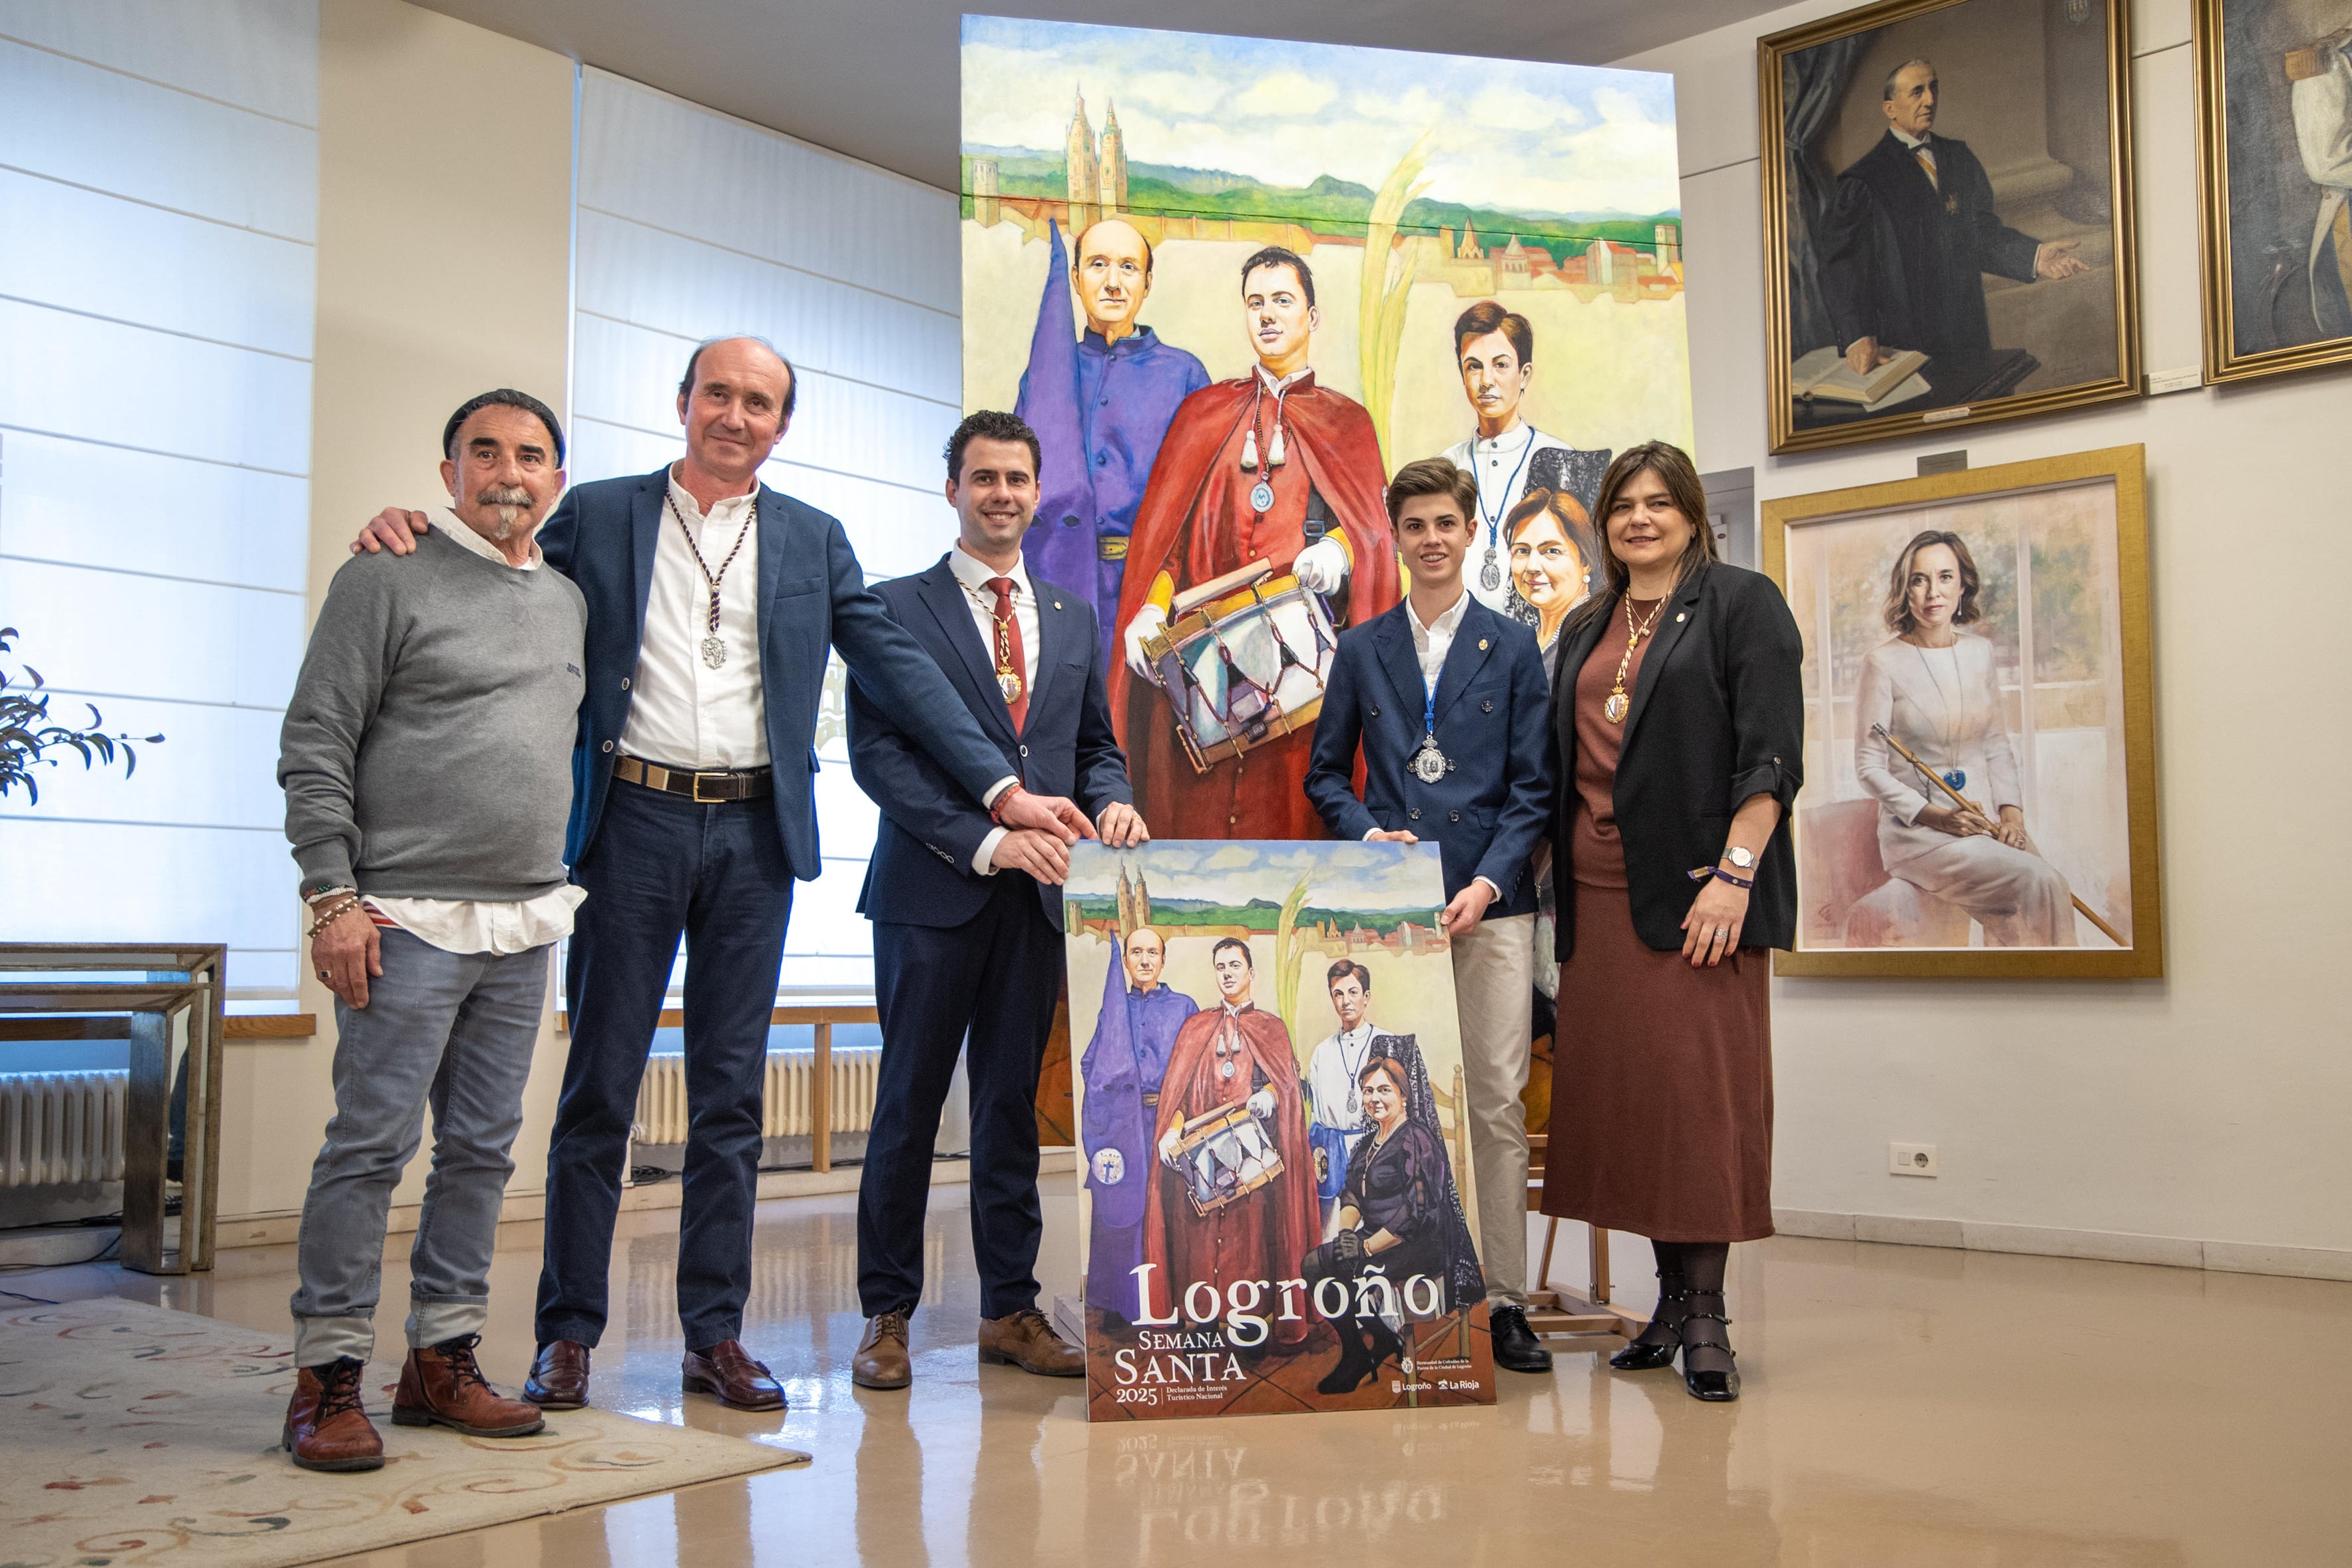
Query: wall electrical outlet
[(1912, 1159)]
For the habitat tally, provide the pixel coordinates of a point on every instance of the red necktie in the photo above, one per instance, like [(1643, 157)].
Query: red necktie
[(1009, 653)]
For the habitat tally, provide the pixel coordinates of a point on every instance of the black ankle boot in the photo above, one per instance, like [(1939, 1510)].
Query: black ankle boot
[(1355, 1363), (1655, 1345), (1709, 1370), (1517, 1348)]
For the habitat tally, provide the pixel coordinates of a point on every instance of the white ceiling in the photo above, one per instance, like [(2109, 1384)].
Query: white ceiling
[(876, 78)]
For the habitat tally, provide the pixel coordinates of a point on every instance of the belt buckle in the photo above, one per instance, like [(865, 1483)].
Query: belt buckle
[(702, 799)]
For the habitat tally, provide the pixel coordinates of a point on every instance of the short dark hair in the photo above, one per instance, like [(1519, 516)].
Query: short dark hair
[(1345, 967), (1279, 256), (1887, 93), (500, 397), (1078, 246), (1226, 942), (1897, 611), (1432, 476), (791, 376), (1488, 317), (990, 424)]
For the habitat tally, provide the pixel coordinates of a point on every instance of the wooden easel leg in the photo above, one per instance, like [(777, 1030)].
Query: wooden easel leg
[(1543, 1270), (821, 1101), (1599, 1258)]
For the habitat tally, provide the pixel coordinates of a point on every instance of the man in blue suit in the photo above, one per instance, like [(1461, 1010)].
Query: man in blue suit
[(968, 913), (712, 602), (1449, 704)]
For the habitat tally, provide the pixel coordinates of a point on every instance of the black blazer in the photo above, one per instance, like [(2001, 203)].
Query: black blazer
[(922, 870), (1718, 716), (1488, 814)]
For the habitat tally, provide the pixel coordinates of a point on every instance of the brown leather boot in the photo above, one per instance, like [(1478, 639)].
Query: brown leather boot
[(327, 1427), (881, 1359), (442, 1385), (1027, 1340)]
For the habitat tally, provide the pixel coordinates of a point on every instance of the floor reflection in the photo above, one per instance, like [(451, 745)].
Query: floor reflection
[(1904, 1406)]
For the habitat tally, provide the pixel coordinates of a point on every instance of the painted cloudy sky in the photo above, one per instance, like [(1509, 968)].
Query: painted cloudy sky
[(1511, 134), (1359, 877)]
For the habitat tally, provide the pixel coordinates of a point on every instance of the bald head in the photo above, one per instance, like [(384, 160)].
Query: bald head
[(1146, 955), (735, 401), (1113, 273)]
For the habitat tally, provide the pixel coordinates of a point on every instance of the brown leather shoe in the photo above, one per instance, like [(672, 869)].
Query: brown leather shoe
[(559, 1377), (442, 1385), (727, 1369), (881, 1359), (327, 1427), (1027, 1340)]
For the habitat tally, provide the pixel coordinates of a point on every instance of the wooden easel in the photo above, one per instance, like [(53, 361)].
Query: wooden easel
[(1555, 1312)]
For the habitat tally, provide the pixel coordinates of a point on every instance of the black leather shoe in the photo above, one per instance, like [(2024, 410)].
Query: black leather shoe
[(1703, 1334), (1715, 1387), (1662, 1336), (1640, 1357), (1516, 1346)]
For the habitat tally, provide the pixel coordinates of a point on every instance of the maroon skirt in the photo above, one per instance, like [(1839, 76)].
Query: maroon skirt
[(1662, 1086)]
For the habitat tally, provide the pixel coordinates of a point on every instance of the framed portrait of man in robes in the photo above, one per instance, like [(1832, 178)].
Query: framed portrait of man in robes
[(2275, 177), (1948, 217), (1279, 1213), (1980, 755)]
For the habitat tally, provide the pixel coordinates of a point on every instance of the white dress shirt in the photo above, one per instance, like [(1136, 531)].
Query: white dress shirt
[(973, 575), (1430, 643), (474, 925), (683, 713), (1500, 466)]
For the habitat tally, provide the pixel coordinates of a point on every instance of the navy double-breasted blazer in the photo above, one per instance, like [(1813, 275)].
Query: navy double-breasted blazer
[(1493, 704), (922, 870), (813, 598)]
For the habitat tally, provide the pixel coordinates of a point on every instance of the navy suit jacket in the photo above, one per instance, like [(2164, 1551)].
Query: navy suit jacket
[(1493, 708), (922, 870), (813, 598)]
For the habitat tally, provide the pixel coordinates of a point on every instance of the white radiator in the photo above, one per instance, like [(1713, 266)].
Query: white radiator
[(790, 1099), (58, 1127)]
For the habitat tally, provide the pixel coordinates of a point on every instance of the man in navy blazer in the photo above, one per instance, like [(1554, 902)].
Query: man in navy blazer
[(967, 912), (712, 603), (1448, 702)]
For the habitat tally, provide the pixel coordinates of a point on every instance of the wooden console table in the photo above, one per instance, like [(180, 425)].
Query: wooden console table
[(181, 984)]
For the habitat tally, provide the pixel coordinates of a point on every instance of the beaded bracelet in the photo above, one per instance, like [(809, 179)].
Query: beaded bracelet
[(332, 914)]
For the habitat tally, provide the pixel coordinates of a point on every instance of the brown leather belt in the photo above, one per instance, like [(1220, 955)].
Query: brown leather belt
[(707, 788)]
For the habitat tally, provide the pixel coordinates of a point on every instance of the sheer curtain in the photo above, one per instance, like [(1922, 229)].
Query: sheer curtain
[(158, 206), (691, 224)]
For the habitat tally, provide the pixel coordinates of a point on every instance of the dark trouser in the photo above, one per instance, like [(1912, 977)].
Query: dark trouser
[(996, 975), (661, 866)]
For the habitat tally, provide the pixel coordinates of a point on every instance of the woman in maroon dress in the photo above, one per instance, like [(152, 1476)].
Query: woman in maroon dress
[(1678, 724)]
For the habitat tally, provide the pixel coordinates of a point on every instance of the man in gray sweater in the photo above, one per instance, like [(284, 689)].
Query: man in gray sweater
[(426, 760)]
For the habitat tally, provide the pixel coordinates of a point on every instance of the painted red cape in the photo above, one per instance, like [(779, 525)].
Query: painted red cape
[(1195, 514), (1264, 1236)]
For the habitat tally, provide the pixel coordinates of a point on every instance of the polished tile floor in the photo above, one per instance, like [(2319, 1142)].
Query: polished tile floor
[(1905, 1407)]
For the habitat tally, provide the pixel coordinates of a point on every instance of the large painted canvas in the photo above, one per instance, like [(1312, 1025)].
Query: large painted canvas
[(1979, 794), (1948, 222), (2275, 151), (1278, 1191)]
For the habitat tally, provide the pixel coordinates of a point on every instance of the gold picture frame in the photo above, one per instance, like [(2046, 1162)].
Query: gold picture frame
[(2263, 319), (2078, 337), (2056, 583)]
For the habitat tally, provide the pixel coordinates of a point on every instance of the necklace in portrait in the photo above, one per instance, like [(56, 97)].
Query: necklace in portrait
[(1948, 729), (714, 650), (1615, 709), (1261, 495), (1490, 575)]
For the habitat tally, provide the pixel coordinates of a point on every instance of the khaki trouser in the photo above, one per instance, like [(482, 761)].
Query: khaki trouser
[(1494, 977)]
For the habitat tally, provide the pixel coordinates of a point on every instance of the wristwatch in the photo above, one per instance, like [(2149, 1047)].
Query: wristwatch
[(1740, 857)]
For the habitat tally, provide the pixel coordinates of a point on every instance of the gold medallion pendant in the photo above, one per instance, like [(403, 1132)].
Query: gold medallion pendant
[(1614, 710), (1010, 684)]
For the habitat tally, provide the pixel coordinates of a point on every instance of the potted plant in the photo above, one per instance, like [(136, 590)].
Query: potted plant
[(29, 735)]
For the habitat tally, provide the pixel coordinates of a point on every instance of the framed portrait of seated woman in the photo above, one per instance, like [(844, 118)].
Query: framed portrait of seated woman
[(1979, 792)]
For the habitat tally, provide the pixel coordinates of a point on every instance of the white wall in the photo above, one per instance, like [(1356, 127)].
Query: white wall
[(2206, 1106)]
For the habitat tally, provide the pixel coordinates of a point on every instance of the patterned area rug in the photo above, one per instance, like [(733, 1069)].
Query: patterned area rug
[(131, 1435)]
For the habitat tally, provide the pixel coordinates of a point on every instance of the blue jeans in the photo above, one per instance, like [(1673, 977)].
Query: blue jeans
[(454, 1030), (661, 867)]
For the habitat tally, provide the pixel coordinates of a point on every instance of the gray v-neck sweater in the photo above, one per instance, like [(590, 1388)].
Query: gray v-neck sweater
[(428, 750)]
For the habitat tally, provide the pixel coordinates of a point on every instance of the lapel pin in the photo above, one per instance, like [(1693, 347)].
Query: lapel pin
[(1681, 617), (1481, 645)]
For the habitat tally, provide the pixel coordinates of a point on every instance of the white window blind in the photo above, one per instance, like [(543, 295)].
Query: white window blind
[(158, 211), (692, 225)]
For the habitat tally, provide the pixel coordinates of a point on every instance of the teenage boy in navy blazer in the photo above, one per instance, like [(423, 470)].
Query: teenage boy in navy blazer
[(1449, 704), (967, 912)]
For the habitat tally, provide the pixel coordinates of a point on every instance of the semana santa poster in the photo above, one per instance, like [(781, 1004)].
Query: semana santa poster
[(1276, 1200)]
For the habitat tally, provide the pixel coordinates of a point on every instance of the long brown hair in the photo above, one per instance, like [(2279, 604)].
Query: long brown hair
[(1674, 470), (1897, 611)]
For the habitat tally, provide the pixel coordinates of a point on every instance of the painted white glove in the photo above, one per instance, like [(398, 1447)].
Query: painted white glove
[(1321, 566), (1150, 622), (1261, 1104)]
